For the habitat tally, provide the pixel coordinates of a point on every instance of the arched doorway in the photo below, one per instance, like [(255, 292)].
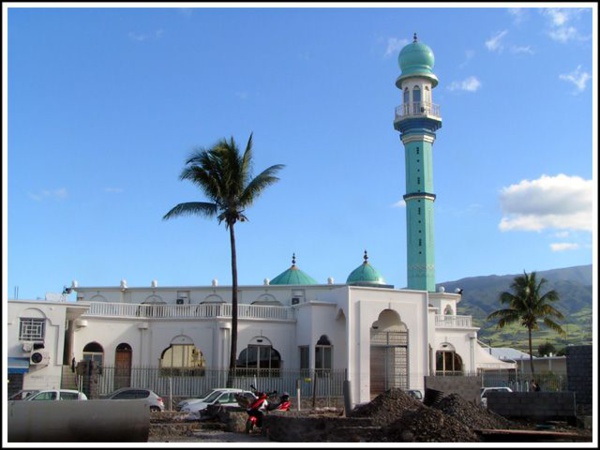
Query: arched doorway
[(123, 356), (389, 353)]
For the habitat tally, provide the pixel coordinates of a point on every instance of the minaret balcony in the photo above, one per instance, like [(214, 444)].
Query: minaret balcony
[(417, 109)]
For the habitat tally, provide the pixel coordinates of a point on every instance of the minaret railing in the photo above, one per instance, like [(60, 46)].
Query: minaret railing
[(417, 109)]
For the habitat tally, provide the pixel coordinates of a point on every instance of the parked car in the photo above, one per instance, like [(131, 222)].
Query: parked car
[(415, 393), (486, 390), (200, 398), (224, 396), (56, 394), (155, 401), (23, 394)]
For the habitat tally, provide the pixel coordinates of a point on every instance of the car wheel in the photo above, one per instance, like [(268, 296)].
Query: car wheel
[(155, 408)]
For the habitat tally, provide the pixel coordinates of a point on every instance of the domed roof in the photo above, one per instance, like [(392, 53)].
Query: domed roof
[(293, 275), (365, 274), (416, 59)]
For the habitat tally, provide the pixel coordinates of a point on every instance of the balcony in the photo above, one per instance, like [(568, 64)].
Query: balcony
[(446, 321), (417, 109), (201, 311)]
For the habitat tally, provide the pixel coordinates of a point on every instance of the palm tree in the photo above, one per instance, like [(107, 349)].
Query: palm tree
[(527, 305), (225, 177)]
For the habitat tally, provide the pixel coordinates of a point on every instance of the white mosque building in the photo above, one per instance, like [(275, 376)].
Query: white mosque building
[(374, 334)]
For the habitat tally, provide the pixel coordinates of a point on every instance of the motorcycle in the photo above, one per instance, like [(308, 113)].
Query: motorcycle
[(263, 403)]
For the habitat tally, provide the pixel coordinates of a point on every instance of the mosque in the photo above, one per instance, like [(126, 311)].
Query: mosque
[(376, 335)]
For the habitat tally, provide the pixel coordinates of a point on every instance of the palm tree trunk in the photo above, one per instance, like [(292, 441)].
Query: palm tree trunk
[(530, 351), (234, 308)]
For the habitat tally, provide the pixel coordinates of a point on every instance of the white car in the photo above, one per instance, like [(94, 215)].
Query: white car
[(225, 397), (486, 390), (56, 394), (186, 401)]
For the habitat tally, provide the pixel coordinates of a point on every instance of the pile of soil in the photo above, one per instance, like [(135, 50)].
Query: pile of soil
[(396, 416)]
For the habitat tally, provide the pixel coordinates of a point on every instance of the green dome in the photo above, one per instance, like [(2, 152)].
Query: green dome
[(365, 274), (293, 275), (416, 59)]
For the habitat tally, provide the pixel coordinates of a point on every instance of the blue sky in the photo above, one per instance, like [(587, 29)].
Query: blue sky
[(105, 103)]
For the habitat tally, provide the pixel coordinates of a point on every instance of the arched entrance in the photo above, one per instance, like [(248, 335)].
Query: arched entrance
[(389, 353), (123, 366)]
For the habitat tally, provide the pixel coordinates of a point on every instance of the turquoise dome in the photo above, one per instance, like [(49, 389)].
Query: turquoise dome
[(416, 59), (365, 274), (293, 275)]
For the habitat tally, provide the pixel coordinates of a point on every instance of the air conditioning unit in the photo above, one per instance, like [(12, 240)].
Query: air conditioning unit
[(39, 358), (295, 300), (180, 301), (27, 346)]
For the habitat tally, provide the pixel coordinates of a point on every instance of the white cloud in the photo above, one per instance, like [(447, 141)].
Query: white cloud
[(521, 49), (559, 22), (470, 84), (563, 246), (394, 45), (399, 204), (494, 44), (578, 77), (561, 202), (55, 194), (518, 15)]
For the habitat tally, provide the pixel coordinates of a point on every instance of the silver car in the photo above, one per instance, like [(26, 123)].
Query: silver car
[(155, 401)]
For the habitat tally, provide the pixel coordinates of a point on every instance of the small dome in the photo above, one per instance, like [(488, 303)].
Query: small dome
[(365, 274), (416, 59), (293, 275)]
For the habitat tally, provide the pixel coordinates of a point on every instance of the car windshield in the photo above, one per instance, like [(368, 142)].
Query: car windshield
[(212, 397)]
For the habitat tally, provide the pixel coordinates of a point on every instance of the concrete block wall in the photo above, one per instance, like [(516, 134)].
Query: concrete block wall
[(534, 405), (579, 377), (468, 388)]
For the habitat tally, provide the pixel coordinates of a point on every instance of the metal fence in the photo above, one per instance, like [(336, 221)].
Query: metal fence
[(521, 381), (322, 384), (325, 385)]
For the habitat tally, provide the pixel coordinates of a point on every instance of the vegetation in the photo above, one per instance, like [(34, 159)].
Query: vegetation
[(225, 177), (574, 287), (528, 306)]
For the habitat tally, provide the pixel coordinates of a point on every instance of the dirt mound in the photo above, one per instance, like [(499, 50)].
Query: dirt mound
[(427, 425), (405, 419), (470, 414), (387, 407)]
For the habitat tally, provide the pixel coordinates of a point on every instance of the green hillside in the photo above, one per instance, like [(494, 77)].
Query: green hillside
[(574, 286)]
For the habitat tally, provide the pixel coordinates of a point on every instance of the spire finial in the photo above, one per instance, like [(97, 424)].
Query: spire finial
[(293, 259), (415, 38), (366, 258)]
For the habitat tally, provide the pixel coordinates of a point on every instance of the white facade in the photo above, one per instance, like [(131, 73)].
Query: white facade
[(148, 321)]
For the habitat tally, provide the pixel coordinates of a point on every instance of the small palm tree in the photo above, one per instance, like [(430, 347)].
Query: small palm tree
[(527, 305), (225, 177)]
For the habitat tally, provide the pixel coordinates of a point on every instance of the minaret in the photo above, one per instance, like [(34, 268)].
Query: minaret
[(417, 119)]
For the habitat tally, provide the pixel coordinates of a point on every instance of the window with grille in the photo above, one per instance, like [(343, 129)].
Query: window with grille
[(32, 329)]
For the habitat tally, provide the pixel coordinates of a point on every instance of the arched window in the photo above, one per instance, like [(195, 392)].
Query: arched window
[(447, 361), (323, 357), (94, 352), (261, 360), (406, 101), (416, 100), (180, 360)]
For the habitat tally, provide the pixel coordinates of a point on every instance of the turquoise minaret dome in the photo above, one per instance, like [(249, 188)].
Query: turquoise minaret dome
[(293, 275), (416, 59), (365, 274), (417, 119)]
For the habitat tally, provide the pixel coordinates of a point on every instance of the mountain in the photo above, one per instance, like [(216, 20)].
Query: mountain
[(574, 287)]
